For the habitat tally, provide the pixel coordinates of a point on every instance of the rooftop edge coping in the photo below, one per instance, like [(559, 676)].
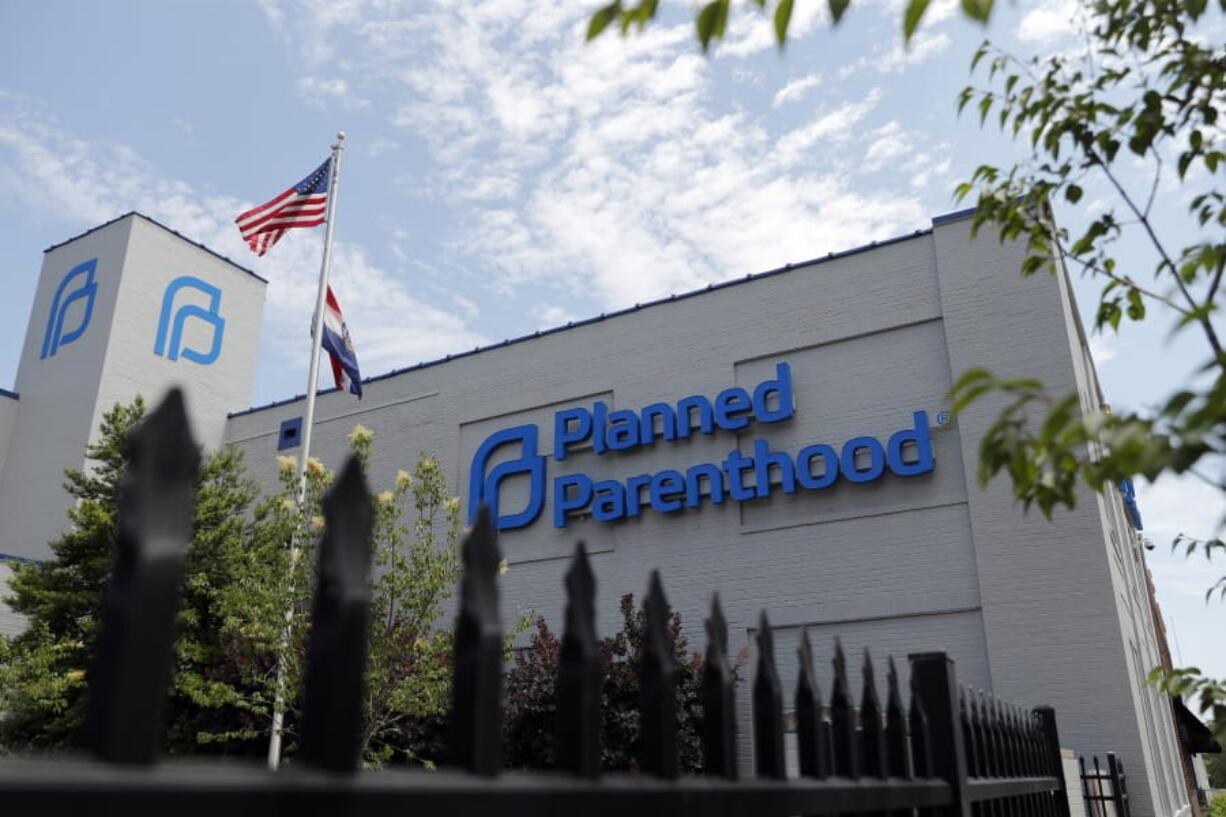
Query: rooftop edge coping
[(175, 233), (937, 221)]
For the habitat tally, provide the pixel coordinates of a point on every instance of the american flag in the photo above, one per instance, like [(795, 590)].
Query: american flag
[(303, 205)]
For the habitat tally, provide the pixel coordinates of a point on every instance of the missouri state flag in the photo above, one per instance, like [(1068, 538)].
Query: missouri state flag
[(337, 344)]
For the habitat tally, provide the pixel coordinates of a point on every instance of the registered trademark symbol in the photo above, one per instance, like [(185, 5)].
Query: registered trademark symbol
[(942, 418)]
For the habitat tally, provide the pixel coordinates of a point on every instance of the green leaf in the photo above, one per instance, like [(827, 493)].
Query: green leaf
[(783, 17), (912, 16), (1136, 306), (1072, 193), (711, 21), (838, 8), (601, 19), (978, 10), (985, 105), (980, 53)]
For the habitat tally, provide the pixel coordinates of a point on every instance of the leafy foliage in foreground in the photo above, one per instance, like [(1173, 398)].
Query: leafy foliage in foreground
[(1144, 90), (711, 20)]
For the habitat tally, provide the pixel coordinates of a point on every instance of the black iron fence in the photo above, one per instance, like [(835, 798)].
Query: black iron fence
[(946, 752), (1105, 790)]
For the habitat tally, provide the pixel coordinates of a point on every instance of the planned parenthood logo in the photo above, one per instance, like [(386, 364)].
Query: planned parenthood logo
[(739, 477), (77, 285), (483, 487), (172, 321)]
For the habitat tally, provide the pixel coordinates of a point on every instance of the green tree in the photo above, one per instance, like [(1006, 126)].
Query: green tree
[(42, 679), (416, 567), (44, 671), (1145, 87)]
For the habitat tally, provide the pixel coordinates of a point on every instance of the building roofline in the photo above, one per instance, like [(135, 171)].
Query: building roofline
[(540, 333), (12, 395), (9, 557), (956, 215), (173, 232)]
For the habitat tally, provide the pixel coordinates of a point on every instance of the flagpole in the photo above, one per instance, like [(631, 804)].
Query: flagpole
[(308, 423)]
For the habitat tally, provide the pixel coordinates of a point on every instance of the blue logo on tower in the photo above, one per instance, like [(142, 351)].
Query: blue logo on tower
[(78, 285), (740, 476), (483, 487), (172, 321)]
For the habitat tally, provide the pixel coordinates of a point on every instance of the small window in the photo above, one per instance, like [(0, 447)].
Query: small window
[(291, 434)]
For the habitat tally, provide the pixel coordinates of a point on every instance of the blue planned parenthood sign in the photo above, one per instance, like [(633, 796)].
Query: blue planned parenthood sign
[(738, 477)]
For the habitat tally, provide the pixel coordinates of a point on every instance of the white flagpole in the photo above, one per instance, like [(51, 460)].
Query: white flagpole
[(308, 423)]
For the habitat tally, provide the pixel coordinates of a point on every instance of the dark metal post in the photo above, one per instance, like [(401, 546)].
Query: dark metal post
[(578, 711), (937, 688), (718, 700), (768, 709), (127, 684), (1119, 791), (872, 739), (898, 760), (846, 749), (477, 686), (336, 654), (1053, 763), (658, 688), (812, 732)]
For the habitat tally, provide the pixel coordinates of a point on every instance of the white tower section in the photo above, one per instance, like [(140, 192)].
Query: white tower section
[(129, 308)]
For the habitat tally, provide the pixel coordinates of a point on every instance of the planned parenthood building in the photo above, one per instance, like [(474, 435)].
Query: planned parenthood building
[(782, 439)]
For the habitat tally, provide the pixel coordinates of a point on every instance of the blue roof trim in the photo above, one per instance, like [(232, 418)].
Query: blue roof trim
[(12, 395), (957, 215), (176, 233), (8, 557), (606, 315)]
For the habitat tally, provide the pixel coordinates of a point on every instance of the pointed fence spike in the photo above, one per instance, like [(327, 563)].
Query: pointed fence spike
[(718, 700), (984, 734), (811, 728), (336, 652), (968, 732), (917, 722), (846, 753), (477, 675), (898, 761), (579, 678), (769, 759), (658, 687), (131, 666), (872, 741)]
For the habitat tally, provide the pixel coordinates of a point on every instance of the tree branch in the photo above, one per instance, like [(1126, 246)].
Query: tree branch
[(1210, 332)]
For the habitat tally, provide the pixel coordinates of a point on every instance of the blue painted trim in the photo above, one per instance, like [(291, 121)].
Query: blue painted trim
[(8, 557), (604, 316), (12, 395), (157, 223), (957, 215)]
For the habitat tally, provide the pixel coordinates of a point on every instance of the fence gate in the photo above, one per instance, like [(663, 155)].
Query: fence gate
[(1105, 790)]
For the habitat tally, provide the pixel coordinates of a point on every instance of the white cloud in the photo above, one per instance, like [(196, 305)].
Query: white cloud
[(610, 169), (1049, 21), (925, 45), (58, 172), (316, 92), (548, 316), (796, 89), (889, 143), (1103, 347)]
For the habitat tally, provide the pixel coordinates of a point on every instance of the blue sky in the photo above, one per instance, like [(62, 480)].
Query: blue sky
[(502, 177)]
